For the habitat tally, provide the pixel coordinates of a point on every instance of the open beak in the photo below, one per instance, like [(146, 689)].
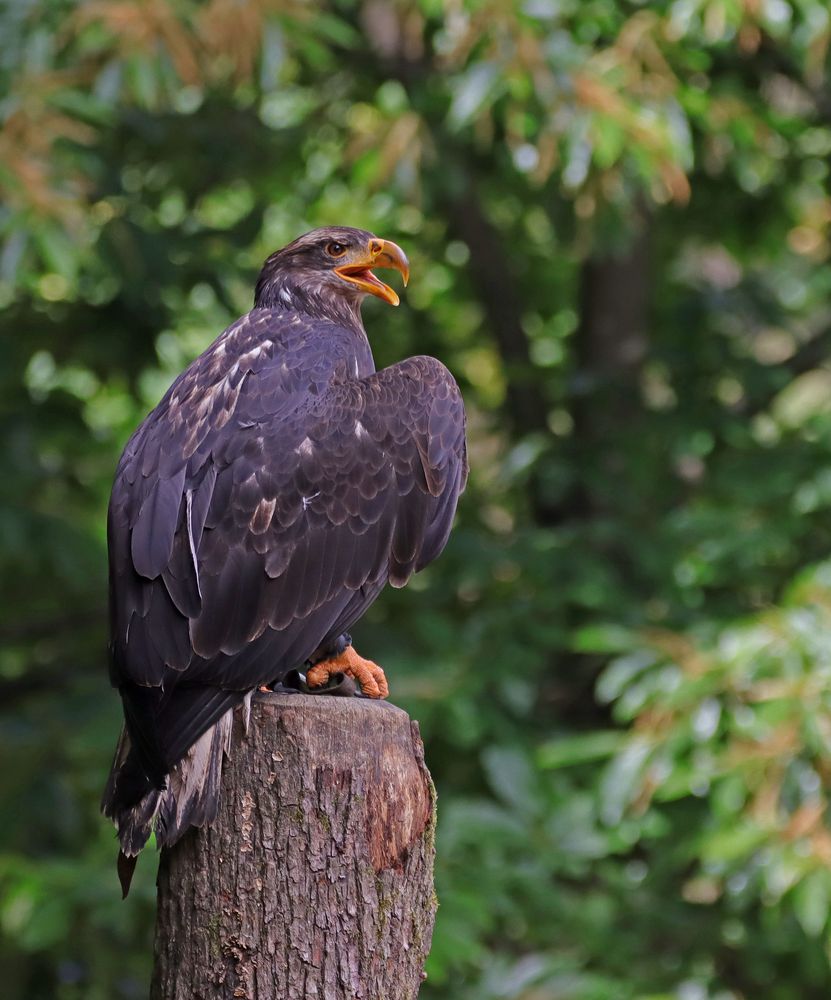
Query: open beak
[(380, 253)]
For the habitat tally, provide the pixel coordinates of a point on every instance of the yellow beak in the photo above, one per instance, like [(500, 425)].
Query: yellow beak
[(379, 253)]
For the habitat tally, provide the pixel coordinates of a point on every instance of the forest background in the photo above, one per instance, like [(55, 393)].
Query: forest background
[(617, 215)]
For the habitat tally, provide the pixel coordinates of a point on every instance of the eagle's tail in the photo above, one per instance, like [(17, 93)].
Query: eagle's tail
[(190, 798)]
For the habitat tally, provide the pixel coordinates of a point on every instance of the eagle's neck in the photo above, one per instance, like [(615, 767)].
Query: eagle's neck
[(311, 298)]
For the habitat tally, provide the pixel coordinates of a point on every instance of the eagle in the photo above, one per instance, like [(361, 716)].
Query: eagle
[(257, 512)]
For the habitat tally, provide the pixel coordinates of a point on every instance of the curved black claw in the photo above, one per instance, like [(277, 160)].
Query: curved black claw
[(338, 685)]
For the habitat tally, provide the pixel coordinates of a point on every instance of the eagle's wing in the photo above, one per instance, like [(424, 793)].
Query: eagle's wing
[(358, 485), (273, 538)]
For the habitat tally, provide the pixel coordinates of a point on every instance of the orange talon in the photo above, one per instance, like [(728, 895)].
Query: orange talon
[(368, 674)]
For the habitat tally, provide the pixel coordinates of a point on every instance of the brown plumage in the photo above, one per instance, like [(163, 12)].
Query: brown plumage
[(258, 511)]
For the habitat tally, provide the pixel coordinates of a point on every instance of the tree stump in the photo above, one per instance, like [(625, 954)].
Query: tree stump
[(316, 880)]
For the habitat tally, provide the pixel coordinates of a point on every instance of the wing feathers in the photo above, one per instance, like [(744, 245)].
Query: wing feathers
[(151, 542)]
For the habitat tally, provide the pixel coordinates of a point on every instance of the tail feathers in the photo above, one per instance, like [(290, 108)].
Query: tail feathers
[(191, 797), (127, 783)]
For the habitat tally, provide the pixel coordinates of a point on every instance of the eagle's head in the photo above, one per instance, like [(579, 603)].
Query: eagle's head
[(328, 272)]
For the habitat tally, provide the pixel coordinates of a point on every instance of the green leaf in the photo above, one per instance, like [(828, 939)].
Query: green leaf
[(580, 749), (609, 142), (603, 638), (812, 900), (511, 777), (622, 780), (470, 93), (622, 672)]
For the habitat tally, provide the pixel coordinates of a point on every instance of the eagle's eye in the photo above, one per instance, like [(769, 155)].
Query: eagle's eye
[(335, 249)]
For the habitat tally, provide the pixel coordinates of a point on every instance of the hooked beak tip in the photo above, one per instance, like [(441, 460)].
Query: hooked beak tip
[(390, 254)]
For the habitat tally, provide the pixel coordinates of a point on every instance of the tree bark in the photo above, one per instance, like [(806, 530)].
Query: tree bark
[(316, 880)]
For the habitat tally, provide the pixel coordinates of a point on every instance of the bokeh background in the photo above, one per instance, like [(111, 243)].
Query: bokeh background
[(618, 220)]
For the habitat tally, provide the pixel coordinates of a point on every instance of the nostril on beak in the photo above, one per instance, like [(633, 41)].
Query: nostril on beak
[(375, 247)]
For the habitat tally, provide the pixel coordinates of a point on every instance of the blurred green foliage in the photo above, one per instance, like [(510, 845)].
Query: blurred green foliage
[(618, 219)]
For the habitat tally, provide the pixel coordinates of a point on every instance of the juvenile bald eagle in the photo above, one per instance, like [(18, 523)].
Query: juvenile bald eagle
[(256, 514)]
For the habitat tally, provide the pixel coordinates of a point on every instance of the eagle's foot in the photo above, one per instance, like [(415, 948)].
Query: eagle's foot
[(368, 674)]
